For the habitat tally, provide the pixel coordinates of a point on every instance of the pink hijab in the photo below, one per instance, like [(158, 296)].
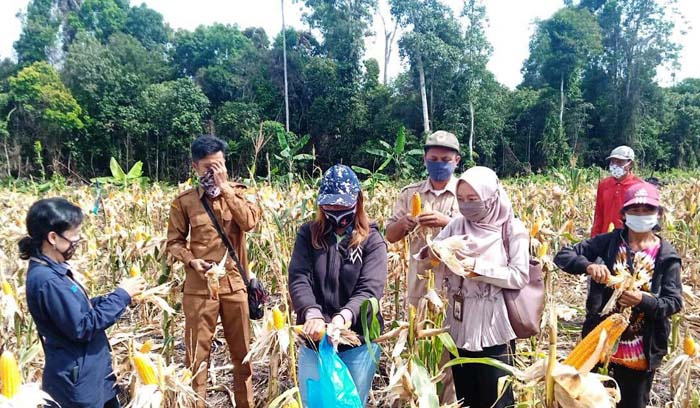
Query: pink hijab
[(486, 236)]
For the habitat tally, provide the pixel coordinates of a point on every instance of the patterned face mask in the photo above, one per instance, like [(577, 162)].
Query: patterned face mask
[(209, 185), (617, 171)]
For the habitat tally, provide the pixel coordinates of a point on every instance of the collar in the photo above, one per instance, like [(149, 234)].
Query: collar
[(451, 187), (60, 268)]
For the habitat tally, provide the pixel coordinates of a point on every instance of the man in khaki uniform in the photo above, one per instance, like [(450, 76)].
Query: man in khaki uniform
[(439, 197), (188, 217)]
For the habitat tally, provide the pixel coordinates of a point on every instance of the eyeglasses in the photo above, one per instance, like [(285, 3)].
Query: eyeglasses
[(71, 241)]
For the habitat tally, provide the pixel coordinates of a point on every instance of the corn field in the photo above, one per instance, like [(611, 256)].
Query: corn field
[(124, 233)]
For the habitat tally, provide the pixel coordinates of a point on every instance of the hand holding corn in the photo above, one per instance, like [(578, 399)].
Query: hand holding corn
[(200, 265), (133, 286), (598, 273)]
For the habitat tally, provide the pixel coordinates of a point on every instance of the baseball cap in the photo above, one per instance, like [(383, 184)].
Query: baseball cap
[(642, 193), (621, 152), (339, 186), (442, 138)]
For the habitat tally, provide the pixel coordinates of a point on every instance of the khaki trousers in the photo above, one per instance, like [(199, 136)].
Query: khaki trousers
[(201, 315)]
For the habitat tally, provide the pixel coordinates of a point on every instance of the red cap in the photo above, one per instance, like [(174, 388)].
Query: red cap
[(642, 193)]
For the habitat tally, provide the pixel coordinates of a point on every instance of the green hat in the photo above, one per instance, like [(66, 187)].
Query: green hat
[(442, 139)]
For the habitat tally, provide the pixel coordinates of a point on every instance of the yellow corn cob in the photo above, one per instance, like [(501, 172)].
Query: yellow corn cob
[(134, 271), (611, 227), (542, 250), (568, 227), (7, 289), (299, 329), (145, 368), (536, 227), (278, 318), (416, 206), (140, 236), (689, 346), (147, 346), (614, 326), (9, 374)]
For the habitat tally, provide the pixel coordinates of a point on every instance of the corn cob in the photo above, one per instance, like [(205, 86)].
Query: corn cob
[(542, 250), (145, 369), (134, 271), (416, 206), (536, 227), (9, 374), (146, 347), (7, 289), (689, 345), (614, 326), (278, 318), (292, 404)]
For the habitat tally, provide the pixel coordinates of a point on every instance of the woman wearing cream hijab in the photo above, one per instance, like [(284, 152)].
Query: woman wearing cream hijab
[(477, 314)]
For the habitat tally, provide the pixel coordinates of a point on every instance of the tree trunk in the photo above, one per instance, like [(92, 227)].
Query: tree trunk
[(423, 95), (284, 57), (561, 109), (471, 130)]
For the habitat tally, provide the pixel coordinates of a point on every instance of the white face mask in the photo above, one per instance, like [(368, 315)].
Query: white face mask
[(617, 171), (641, 223)]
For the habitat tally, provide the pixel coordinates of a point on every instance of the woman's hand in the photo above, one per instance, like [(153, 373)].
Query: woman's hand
[(599, 273), (133, 286), (339, 321), (315, 328), (630, 298)]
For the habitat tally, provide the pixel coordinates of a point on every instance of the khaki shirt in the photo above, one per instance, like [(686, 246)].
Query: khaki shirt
[(189, 219), (445, 202)]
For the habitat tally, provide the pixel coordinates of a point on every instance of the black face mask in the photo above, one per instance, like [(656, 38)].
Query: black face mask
[(340, 218), (72, 247)]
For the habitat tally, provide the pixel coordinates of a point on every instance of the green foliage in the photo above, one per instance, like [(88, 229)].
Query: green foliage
[(120, 178), (97, 79)]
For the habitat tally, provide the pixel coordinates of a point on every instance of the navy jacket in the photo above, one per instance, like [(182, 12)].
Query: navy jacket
[(666, 288), (78, 369), (330, 281)]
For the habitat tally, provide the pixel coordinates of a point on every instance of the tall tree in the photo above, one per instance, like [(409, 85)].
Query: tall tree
[(559, 51), (46, 111), (637, 39), (39, 36), (431, 42)]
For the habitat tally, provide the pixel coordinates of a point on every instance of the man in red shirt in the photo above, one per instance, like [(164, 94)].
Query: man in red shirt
[(611, 190)]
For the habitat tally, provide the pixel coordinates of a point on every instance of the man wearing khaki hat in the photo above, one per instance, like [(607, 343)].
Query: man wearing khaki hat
[(439, 197), (611, 190)]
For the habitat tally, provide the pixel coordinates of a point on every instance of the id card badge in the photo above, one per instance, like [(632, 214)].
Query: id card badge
[(458, 306)]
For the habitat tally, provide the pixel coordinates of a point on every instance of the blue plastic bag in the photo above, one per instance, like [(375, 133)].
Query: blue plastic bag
[(334, 387)]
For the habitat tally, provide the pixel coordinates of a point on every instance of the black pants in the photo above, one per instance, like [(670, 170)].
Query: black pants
[(635, 386), (113, 403), (476, 385)]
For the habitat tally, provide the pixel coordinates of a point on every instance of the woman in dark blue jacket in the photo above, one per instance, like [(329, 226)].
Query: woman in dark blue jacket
[(78, 368), (636, 248)]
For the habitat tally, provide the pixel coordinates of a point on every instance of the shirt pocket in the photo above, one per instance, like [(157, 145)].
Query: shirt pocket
[(202, 229)]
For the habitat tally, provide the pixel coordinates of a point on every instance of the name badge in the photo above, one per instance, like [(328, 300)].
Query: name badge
[(458, 307)]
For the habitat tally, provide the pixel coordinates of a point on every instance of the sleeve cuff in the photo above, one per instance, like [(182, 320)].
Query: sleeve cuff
[(187, 258), (313, 313), (348, 315), (123, 295), (648, 303)]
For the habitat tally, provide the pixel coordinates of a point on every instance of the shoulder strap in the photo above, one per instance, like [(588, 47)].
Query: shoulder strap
[(506, 241), (224, 238)]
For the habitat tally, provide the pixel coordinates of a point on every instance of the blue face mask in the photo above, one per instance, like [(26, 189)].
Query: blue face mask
[(440, 171)]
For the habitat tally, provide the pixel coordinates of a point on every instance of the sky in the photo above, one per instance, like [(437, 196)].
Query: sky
[(509, 28)]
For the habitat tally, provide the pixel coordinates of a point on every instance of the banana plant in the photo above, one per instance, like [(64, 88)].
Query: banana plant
[(120, 178)]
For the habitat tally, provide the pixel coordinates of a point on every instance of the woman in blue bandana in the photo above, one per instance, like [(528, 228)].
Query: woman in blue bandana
[(339, 261), (78, 368)]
